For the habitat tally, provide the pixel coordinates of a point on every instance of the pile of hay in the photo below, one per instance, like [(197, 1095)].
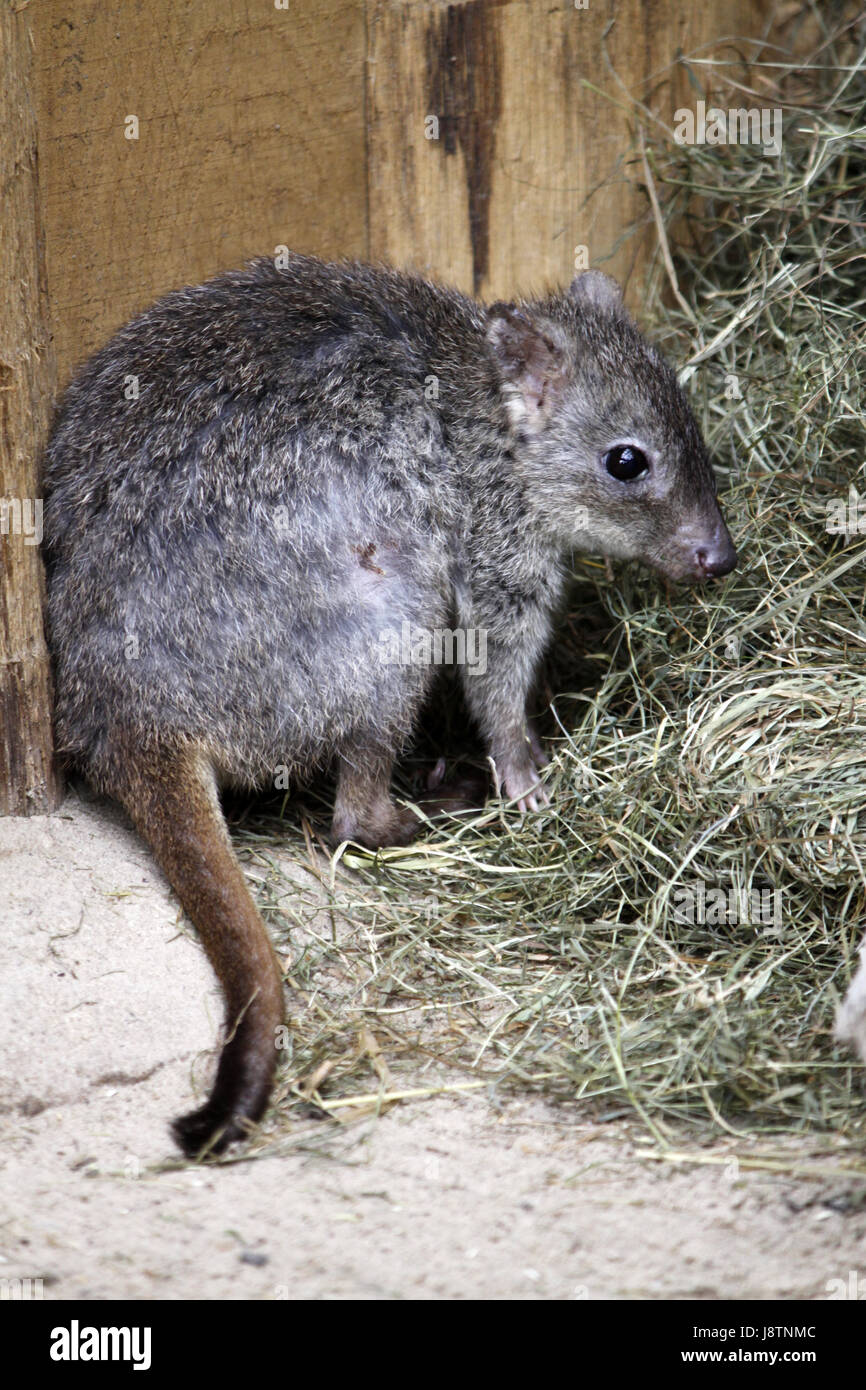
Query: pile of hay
[(713, 737)]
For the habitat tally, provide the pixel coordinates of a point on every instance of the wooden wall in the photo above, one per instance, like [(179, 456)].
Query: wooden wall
[(27, 781), (480, 142), (251, 134), (308, 126), (531, 161)]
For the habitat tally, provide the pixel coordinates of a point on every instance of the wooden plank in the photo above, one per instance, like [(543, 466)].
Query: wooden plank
[(251, 135), (529, 161), (28, 782)]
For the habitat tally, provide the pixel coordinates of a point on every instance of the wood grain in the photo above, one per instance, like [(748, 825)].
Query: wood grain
[(251, 136), (28, 783), (480, 142), (530, 161)]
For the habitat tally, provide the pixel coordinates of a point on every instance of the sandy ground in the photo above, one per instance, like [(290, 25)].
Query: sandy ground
[(108, 1011)]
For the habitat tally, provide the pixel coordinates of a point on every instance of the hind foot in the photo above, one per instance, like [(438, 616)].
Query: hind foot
[(365, 813)]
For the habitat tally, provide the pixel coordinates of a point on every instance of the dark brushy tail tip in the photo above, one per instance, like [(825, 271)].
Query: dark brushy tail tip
[(204, 1133), (238, 1101)]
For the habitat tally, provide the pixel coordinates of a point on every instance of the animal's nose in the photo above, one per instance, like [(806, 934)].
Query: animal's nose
[(715, 558)]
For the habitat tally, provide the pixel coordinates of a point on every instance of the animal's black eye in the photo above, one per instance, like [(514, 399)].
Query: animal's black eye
[(626, 463)]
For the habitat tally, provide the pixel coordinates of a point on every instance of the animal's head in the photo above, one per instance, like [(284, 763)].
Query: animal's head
[(609, 449)]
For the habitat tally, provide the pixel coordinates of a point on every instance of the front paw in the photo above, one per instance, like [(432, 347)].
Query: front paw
[(520, 783)]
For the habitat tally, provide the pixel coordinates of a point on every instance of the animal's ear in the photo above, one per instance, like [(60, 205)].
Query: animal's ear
[(595, 288), (531, 362)]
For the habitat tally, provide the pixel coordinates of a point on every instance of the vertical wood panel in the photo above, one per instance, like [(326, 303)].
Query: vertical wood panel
[(529, 162), (27, 780), (251, 135)]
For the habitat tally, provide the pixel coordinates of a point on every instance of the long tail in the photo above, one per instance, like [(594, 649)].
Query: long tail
[(172, 799)]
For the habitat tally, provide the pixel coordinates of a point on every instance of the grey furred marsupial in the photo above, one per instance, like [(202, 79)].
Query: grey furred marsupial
[(259, 475)]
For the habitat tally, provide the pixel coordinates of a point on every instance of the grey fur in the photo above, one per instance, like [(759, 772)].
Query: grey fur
[(224, 551), (314, 456)]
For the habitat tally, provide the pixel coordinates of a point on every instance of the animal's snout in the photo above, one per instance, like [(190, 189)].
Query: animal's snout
[(715, 557), (705, 547)]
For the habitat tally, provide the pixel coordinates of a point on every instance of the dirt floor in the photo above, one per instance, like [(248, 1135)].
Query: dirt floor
[(109, 1010)]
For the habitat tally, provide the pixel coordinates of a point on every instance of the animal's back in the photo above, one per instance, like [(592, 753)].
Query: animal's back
[(257, 479), (243, 490)]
